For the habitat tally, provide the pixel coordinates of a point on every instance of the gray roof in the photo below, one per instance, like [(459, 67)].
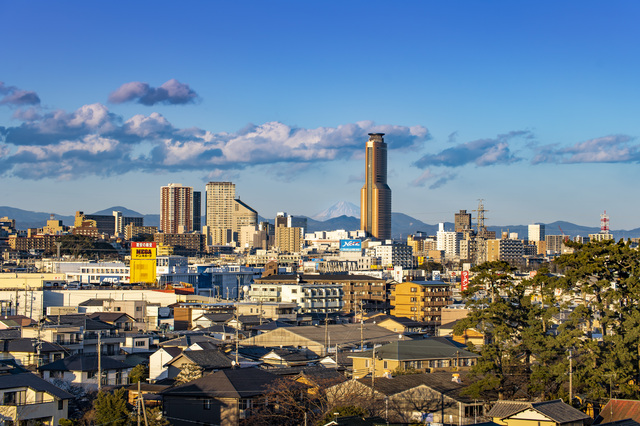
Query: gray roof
[(440, 382), (189, 339), (82, 362), (556, 410), (32, 381), (417, 350), (94, 302), (341, 334), (209, 359), (110, 317), (229, 383), (26, 344)]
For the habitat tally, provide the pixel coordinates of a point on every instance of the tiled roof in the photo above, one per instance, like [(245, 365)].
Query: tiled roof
[(82, 362), (189, 339), (230, 383), (29, 345), (440, 382), (209, 359), (110, 317), (556, 410), (417, 350), (34, 382), (619, 409)]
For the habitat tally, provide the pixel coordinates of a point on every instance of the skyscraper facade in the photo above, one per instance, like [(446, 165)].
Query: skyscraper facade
[(176, 208), (375, 196), (226, 215)]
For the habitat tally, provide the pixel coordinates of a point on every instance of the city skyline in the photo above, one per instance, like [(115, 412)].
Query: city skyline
[(531, 107)]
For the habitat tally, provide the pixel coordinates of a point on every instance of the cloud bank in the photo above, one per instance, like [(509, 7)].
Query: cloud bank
[(94, 141), (13, 96), (170, 93)]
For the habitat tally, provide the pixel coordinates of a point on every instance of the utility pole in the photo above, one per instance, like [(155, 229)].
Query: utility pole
[(235, 314), (570, 377), (138, 402), (326, 333), (373, 373), (361, 327), (99, 363)]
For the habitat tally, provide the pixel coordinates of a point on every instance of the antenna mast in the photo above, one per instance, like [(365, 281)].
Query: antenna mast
[(481, 237)]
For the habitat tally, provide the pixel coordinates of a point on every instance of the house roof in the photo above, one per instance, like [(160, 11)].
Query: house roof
[(79, 320), (111, 317), (291, 354), (94, 302), (556, 410), (30, 380), (625, 422), (619, 409), (230, 383), (272, 325), (416, 350), (82, 362), (209, 359), (215, 317), (29, 345), (341, 334), (189, 339), (440, 382), (10, 333), (20, 319), (174, 351)]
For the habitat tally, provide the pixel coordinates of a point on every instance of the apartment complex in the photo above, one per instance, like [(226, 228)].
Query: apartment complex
[(420, 300), (177, 209), (226, 215)]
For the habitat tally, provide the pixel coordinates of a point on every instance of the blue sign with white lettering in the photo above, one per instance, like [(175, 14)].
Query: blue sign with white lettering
[(350, 245)]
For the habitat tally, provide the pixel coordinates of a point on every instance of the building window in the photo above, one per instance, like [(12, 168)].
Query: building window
[(207, 404), (414, 289), (140, 342), (60, 404), (91, 374)]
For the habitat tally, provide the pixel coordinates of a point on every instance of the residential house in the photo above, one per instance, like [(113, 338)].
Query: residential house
[(158, 369), (30, 351), (120, 320), (27, 399), (222, 398), (407, 398), (552, 413), (288, 357), (617, 410), (82, 370), (209, 360), (426, 355)]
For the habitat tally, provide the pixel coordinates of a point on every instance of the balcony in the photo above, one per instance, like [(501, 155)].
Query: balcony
[(29, 411)]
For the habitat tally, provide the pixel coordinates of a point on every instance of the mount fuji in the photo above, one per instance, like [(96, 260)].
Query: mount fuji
[(342, 208)]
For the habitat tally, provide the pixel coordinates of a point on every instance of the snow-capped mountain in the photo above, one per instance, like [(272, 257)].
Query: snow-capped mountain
[(342, 208)]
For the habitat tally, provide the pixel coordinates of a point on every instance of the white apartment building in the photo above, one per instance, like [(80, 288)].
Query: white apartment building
[(448, 241), (536, 232), (392, 255), (310, 298)]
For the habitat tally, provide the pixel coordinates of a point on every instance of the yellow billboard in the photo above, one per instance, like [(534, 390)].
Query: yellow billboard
[(143, 251), (142, 268)]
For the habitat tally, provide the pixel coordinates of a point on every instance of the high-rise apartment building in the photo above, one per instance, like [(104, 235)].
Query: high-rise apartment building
[(375, 196), (197, 211), (226, 215), (537, 232), (176, 208)]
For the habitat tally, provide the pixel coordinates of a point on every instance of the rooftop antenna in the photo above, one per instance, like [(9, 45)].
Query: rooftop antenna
[(481, 248), (604, 223)]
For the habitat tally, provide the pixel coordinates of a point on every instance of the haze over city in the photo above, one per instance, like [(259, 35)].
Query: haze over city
[(530, 106)]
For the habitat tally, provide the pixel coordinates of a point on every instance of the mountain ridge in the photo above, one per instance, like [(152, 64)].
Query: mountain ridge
[(401, 224)]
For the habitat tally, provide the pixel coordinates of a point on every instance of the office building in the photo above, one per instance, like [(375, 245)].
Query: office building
[(197, 211), (375, 196), (462, 221), (176, 209)]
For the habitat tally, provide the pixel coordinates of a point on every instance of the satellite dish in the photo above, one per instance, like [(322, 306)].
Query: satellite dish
[(246, 288)]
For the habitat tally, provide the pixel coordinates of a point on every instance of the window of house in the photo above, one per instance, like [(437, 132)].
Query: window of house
[(207, 404), (10, 398), (386, 364), (414, 289), (91, 374), (60, 404), (140, 342)]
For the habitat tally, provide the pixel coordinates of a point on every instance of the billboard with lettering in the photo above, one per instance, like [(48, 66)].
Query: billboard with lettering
[(350, 245), (145, 250), (143, 262), (464, 280)]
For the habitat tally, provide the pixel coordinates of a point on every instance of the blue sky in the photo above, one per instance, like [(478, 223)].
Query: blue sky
[(531, 106)]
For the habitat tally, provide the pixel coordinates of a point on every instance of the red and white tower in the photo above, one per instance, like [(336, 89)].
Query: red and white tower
[(604, 223)]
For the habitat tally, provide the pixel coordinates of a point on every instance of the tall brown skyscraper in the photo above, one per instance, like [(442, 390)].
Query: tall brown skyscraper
[(375, 196), (176, 208)]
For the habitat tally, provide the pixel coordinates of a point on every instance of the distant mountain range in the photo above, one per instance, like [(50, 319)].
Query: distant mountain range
[(343, 215)]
